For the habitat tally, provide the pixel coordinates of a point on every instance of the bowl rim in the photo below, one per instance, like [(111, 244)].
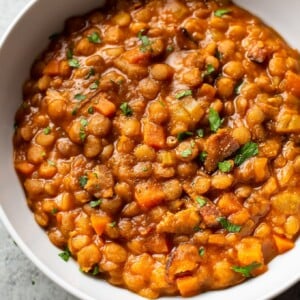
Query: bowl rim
[(73, 290)]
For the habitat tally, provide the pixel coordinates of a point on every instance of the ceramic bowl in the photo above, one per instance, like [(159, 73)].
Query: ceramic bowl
[(23, 41)]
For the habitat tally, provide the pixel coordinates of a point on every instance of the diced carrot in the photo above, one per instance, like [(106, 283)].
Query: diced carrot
[(99, 223), (105, 107), (135, 56), (283, 244), (24, 167), (148, 195), (249, 250), (52, 68), (154, 135), (188, 286), (229, 204), (293, 83)]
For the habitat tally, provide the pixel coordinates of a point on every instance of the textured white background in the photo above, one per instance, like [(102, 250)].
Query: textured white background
[(19, 278)]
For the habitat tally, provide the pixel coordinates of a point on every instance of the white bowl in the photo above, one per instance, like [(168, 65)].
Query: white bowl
[(23, 41)]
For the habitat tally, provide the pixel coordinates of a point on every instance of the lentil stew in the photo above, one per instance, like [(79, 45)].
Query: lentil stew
[(158, 144)]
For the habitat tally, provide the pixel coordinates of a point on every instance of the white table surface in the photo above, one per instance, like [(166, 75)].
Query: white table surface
[(19, 278)]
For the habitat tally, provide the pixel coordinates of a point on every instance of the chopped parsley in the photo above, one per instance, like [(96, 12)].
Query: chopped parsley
[(69, 53), (170, 48), (214, 120), (202, 156), (91, 110), (74, 63), (47, 130), (145, 169), (200, 133), (222, 11), (83, 181), (229, 226), (201, 251), (248, 150), (95, 270), (225, 166), (90, 73), (201, 201), (43, 153), (51, 163), (74, 111), (95, 203), (210, 69), (186, 153), (113, 224), (246, 270), (54, 211), (94, 38), (146, 43), (126, 109), (80, 97), (237, 88), (65, 255), (184, 93), (183, 135), (94, 85), (84, 122)]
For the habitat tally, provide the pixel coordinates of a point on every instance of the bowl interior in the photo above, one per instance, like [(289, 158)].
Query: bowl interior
[(24, 42)]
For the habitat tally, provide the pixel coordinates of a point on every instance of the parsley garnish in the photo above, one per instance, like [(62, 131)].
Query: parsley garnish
[(113, 224), (201, 251), (51, 163), (229, 226), (84, 122), (201, 201), (186, 153), (222, 11), (200, 132), (94, 85), (74, 111), (126, 109), (94, 38), (202, 156), (214, 120), (95, 270), (246, 270), (83, 181), (237, 88), (183, 135), (210, 69), (47, 130), (80, 97), (146, 43), (95, 203), (74, 63), (69, 53), (91, 110), (225, 166), (183, 94), (170, 48), (90, 73), (65, 255), (54, 211), (248, 150)]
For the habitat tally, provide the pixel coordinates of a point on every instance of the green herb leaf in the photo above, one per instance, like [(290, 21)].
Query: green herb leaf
[(200, 133), (145, 169), (95, 203), (74, 111), (248, 150), (90, 73), (202, 156), (91, 110), (222, 11), (69, 53), (43, 153), (84, 122), (47, 130), (80, 97), (201, 251), (183, 135), (83, 181), (237, 88), (201, 201), (210, 69), (146, 43), (246, 270), (94, 85), (170, 48), (65, 255), (51, 163), (74, 63), (229, 226), (113, 224), (183, 94), (196, 228), (186, 153), (94, 38), (54, 211), (225, 166), (126, 109), (214, 120), (95, 270)]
